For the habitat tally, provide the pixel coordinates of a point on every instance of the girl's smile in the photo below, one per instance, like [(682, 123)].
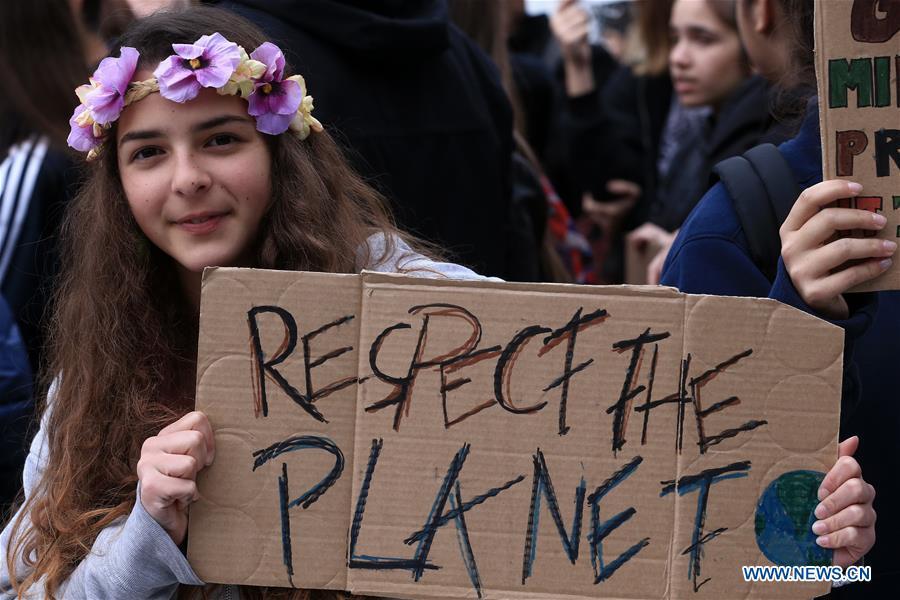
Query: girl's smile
[(202, 223)]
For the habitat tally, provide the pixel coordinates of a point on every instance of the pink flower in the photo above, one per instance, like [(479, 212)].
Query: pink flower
[(106, 98), (82, 136), (208, 62), (275, 100)]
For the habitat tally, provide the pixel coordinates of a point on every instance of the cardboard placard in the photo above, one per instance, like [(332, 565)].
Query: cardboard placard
[(420, 438), (857, 65)]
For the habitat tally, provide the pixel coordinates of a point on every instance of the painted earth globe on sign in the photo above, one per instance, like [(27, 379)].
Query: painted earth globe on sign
[(784, 518)]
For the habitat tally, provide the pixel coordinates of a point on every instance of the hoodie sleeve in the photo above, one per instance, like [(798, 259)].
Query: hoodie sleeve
[(132, 558), (398, 257)]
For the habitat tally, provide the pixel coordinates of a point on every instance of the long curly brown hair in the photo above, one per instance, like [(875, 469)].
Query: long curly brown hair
[(123, 336)]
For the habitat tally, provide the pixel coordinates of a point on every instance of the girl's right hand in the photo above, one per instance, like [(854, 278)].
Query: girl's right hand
[(168, 470), (813, 254)]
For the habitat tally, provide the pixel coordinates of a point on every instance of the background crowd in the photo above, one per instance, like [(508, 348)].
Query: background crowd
[(566, 147)]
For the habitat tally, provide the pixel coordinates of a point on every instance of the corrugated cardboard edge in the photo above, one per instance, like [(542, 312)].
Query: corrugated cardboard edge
[(837, 333), (822, 85), (654, 291)]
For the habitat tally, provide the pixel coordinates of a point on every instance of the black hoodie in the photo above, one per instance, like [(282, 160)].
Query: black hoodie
[(417, 104)]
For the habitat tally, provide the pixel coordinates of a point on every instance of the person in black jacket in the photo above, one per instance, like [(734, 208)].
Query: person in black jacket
[(616, 126), (420, 109), (712, 256), (736, 126)]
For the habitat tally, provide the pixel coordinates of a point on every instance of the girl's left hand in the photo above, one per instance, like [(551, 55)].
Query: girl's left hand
[(846, 518)]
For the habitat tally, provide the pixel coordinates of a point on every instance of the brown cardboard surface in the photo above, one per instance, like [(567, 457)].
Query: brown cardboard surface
[(236, 528), (429, 358), (857, 64)]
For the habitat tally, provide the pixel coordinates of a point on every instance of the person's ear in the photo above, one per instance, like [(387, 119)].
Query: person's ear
[(763, 13)]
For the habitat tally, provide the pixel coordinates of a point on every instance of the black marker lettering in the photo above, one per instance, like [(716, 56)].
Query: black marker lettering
[(263, 367), (697, 384), (623, 406), (570, 330), (599, 531), (308, 498), (702, 482)]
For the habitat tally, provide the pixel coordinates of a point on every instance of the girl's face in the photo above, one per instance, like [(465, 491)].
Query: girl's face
[(196, 175), (706, 60)]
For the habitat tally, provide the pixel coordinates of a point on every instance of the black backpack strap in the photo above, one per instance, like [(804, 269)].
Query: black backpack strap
[(763, 190), (777, 177)]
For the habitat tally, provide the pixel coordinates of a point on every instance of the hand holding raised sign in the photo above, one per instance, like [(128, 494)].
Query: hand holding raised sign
[(814, 256), (168, 470), (846, 518)]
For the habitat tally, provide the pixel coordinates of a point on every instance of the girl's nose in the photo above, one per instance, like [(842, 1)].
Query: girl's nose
[(679, 55), (190, 178)]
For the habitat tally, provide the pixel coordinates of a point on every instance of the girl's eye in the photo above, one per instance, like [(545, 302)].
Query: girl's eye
[(705, 39), (145, 153), (222, 139)]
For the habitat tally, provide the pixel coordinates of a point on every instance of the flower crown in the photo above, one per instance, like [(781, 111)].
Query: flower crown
[(277, 103)]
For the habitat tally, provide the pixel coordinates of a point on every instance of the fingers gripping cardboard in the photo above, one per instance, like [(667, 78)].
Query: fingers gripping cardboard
[(421, 438)]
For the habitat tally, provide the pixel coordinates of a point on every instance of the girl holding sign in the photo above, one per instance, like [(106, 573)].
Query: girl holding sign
[(205, 152), (712, 256)]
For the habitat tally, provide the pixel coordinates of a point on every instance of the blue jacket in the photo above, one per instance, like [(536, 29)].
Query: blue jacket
[(15, 404), (711, 256)]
